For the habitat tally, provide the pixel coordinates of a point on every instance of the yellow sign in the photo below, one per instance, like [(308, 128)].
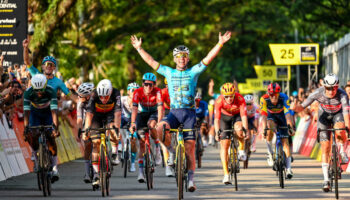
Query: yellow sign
[(257, 84), (295, 54), (244, 88), (274, 73)]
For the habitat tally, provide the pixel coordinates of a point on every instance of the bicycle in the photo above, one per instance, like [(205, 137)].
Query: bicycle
[(248, 151), (149, 159), (44, 172), (199, 145), (334, 169), (126, 162), (180, 158), (104, 162), (280, 157)]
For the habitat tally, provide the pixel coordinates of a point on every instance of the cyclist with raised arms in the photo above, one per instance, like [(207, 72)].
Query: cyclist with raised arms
[(126, 120), (202, 117), (149, 97), (104, 107), (84, 93), (182, 83), (40, 108), (333, 110), (253, 116), (230, 108), (274, 111)]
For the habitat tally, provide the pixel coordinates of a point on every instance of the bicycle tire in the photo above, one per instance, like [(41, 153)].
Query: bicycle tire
[(38, 177), (147, 169), (126, 158), (48, 185), (198, 153), (336, 171), (44, 182), (247, 151), (280, 167), (102, 171), (42, 170), (234, 163), (180, 173), (162, 154)]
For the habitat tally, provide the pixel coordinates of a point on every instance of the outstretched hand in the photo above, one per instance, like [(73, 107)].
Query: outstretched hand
[(136, 42), (224, 38)]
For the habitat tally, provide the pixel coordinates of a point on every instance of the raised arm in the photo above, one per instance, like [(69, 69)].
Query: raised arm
[(136, 43), (214, 51), (211, 88), (26, 52)]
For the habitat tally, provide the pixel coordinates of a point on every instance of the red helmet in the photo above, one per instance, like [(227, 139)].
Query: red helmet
[(273, 88)]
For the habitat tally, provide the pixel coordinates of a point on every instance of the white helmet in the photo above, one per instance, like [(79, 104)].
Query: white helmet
[(248, 98), (104, 88), (211, 102), (330, 80), (181, 48), (39, 81), (85, 89), (198, 96)]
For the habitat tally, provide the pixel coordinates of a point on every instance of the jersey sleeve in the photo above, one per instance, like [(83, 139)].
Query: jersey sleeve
[(135, 98), (53, 102), (159, 97), (198, 68), (286, 104), (91, 104), (310, 99), (80, 111), (33, 70), (217, 107), (345, 103), (263, 106), (63, 88), (26, 100), (163, 70), (242, 106)]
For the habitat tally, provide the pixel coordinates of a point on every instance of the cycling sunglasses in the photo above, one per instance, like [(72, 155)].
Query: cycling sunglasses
[(39, 90), (49, 64), (181, 55), (148, 84), (331, 88), (249, 104), (230, 96)]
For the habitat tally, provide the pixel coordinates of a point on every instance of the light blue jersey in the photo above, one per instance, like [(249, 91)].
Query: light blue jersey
[(55, 82), (182, 84)]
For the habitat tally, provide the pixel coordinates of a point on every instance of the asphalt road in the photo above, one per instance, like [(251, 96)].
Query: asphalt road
[(257, 182)]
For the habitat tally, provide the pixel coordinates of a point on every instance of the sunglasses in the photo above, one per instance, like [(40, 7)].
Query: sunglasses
[(148, 84), (331, 88), (104, 98), (49, 64), (273, 94), (249, 104), (181, 55), (39, 90), (227, 97)]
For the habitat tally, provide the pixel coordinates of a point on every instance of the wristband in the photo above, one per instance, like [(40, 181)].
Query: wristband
[(139, 49), (221, 45)]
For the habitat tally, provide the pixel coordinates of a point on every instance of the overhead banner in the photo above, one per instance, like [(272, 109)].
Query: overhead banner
[(244, 88), (295, 54), (257, 84), (273, 73), (13, 30)]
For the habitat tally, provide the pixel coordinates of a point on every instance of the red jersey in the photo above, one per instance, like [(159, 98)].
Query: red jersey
[(238, 106), (148, 102), (166, 98)]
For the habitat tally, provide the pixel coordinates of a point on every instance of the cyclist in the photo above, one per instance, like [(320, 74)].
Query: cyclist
[(333, 110), (274, 111), (182, 83), (126, 120), (202, 117), (230, 108), (168, 162), (149, 97), (48, 66), (84, 93), (253, 116), (104, 107), (40, 108)]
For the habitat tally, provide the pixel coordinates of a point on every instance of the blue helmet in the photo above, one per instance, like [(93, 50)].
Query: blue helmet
[(133, 86), (49, 58), (149, 77), (295, 93)]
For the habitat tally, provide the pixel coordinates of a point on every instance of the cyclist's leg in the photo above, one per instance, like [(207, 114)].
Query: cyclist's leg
[(338, 121), (96, 141), (324, 138), (270, 124), (141, 122), (240, 136), (151, 125), (113, 137), (204, 132), (87, 157), (33, 137), (225, 142), (282, 122)]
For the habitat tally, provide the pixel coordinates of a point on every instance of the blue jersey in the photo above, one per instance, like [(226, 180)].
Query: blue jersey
[(55, 82), (202, 110), (182, 84)]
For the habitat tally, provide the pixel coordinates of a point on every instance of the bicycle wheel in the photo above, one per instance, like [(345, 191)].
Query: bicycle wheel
[(180, 174), (335, 170), (234, 164), (147, 169), (48, 187), (247, 151), (38, 177), (126, 158), (102, 171), (280, 166), (198, 153), (43, 172)]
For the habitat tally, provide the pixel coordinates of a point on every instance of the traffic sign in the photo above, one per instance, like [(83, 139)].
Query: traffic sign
[(272, 72), (295, 54)]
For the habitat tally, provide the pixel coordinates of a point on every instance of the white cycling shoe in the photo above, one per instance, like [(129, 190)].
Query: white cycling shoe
[(141, 178), (242, 155), (227, 180), (132, 167), (169, 171), (344, 158), (269, 160)]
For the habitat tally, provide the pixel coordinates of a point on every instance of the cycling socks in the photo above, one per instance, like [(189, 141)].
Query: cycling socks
[(325, 171), (341, 149), (95, 166), (114, 149), (289, 162), (269, 147), (133, 157), (87, 166), (190, 175), (141, 166), (156, 142), (54, 163)]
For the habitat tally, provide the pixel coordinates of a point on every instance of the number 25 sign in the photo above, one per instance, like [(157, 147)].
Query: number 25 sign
[(295, 54)]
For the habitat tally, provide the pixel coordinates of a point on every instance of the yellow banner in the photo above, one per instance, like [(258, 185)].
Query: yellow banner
[(257, 84), (244, 88), (272, 72), (295, 54)]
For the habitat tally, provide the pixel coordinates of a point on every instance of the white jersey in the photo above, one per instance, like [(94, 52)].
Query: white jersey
[(254, 112), (127, 107)]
